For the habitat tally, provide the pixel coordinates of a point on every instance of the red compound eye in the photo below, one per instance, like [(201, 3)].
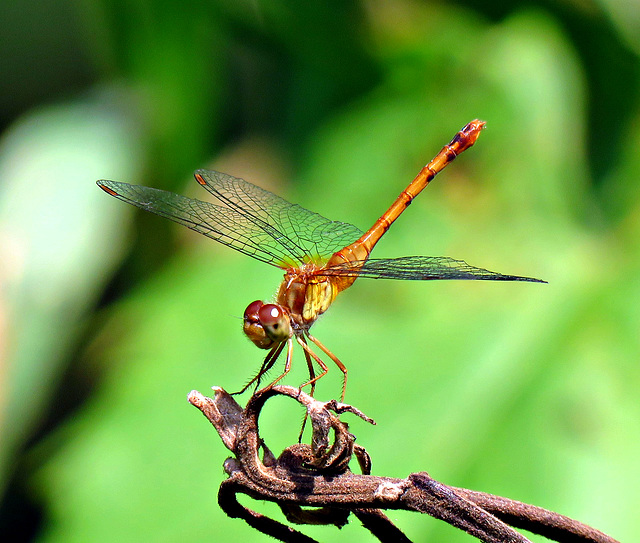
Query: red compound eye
[(251, 313), (275, 322), (270, 315)]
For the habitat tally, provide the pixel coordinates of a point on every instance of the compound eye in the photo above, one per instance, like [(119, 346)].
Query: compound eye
[(251, 313), (269, 314), (253, 327), (275, 322)]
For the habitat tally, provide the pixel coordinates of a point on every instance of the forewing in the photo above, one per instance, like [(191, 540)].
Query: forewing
[(420, 268), (222, 224), (300, 232)]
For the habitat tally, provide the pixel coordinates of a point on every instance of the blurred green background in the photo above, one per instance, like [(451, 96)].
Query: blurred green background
[(109, 316)]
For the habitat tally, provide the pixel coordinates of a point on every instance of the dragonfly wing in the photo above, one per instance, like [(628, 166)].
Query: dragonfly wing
[(421, 268), (301, 232), (222, 224)]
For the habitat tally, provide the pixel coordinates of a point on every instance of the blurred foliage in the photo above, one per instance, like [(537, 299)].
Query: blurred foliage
[(108, 318)]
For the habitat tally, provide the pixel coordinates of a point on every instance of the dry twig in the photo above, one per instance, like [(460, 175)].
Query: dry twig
[(318, 476)]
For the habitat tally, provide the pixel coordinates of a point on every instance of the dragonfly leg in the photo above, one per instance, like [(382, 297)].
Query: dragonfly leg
[(336, 360), (312, 375), (287, 364), (318, 360), (268, 363)]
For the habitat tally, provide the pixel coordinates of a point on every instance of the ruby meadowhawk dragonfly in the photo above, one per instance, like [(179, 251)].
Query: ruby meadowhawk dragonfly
[(320, 258)]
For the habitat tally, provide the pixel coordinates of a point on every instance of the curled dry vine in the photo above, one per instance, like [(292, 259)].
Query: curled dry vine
[(313, 484)]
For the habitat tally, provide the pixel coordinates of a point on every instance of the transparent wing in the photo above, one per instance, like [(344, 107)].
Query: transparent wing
[(420, 268), (299, 232), (216, 222), (252, 221)]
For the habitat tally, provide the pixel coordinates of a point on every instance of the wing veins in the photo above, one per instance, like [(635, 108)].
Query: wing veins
[(302, 232), (234, 185), (182, 209), (419, 268)]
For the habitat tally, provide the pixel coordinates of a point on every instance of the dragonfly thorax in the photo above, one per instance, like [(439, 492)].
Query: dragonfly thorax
[(306, 295)]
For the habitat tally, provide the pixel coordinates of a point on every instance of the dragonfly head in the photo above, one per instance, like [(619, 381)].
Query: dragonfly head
[(266, 324)]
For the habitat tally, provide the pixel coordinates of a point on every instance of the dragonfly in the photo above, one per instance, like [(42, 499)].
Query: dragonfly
[(320, 257)]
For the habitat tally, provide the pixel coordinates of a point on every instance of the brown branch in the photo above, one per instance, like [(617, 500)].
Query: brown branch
[(318, 476)]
